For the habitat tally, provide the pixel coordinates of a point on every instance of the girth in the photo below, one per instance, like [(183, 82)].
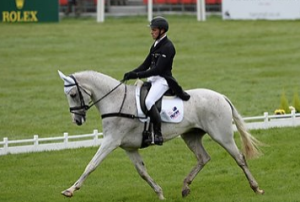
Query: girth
[(143, 94)]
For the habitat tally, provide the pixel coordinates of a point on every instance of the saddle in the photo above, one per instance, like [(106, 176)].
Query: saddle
[(143, 94), (168, 105)]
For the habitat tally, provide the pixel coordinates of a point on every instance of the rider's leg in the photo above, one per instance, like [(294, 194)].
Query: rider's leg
[(157, 90), (156, 120)]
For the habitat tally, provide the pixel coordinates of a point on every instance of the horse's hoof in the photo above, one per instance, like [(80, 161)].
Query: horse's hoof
[(162, 198), (259, 191), (185, 192), (67, 193)]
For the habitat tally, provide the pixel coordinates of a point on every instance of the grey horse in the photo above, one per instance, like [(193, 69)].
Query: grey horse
[(207, 112)]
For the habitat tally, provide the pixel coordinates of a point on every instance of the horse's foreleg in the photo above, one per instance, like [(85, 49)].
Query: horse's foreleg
[(106, 147), (194, 143), (141, 169)]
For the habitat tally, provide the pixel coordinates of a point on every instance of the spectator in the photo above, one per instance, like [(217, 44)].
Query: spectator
[(76, 6)]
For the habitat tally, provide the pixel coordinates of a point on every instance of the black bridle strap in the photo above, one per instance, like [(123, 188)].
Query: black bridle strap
[(82, 103), (119, 114), (110, 93), (87, 107)]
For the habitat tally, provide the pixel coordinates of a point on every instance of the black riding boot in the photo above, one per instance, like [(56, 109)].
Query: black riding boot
[(155, 119)]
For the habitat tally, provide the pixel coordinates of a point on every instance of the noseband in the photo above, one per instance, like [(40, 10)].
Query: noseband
[(82, 103)]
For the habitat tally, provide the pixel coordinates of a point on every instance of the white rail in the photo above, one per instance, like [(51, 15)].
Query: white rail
[(87, 140), (51, 143), (272, 121)]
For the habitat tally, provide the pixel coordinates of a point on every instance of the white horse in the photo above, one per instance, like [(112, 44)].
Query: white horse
[(206, 112)]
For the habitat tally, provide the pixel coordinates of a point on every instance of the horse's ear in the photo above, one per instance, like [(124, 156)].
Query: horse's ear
[(66, 79)]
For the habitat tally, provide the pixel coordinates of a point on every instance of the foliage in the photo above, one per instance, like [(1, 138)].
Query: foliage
[(296, 101), (284, 103)]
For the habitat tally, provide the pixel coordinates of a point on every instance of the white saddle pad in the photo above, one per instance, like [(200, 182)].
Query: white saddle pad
[(171, 110)]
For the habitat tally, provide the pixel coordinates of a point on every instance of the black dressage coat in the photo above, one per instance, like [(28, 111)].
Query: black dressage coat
[(159, 62)]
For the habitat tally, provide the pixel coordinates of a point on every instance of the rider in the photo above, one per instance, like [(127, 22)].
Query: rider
[(157, 68)]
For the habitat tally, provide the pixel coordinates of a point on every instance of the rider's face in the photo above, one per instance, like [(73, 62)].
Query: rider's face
[(155, 33)]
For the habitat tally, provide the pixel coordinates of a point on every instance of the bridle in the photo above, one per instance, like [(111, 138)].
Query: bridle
[(82, 103)]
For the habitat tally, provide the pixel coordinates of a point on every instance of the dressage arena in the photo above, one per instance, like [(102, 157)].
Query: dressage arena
[(252, 62)]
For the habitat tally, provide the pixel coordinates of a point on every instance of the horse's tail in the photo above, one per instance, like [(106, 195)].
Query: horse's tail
[(250, 143)]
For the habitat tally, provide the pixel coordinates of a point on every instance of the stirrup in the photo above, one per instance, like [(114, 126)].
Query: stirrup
[(147, 138), (158, 140)]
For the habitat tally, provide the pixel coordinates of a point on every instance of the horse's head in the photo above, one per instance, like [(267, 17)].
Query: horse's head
[(77, 98)]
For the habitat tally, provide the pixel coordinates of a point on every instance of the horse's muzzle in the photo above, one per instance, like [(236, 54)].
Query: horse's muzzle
[(78, 119), (79, 123)]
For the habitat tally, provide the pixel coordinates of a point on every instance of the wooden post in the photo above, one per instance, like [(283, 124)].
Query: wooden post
[(5, 146), (36, 141), (66, 140), (293, 113), (266, 120), (95, 137)]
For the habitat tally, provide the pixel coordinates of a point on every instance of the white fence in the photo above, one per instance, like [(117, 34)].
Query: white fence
[(87, 140), (48, 144)]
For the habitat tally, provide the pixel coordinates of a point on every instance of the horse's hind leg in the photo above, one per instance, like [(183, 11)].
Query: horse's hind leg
[(252, 181), (227, 142), (194, 142), (141, 169)]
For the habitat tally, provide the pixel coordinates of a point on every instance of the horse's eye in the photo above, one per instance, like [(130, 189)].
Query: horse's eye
[(73, 95)]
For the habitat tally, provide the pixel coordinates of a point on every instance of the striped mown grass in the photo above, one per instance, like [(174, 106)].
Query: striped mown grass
[(40, 177), (251, 62)]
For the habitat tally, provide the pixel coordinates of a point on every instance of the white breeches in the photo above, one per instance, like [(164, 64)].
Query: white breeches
[(158, 88)]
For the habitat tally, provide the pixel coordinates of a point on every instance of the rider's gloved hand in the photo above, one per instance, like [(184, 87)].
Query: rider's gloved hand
[(130, 75)]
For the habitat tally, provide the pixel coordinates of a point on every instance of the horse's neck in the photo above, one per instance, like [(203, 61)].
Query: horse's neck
[(100, 86)]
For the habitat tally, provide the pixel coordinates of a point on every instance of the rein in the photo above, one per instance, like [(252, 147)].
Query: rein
[(87, 107), (120, 114), (110, 93)]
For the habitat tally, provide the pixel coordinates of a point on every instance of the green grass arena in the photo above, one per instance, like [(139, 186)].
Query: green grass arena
[(251, 62)]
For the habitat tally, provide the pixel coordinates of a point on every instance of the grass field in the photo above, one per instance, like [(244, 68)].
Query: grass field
[(40, 177), (252, 62)]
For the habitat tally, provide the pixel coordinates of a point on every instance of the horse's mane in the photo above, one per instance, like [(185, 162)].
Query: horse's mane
[(94, 76)]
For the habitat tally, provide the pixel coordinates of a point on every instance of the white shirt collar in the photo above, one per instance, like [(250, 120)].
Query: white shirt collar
[(157, 41)]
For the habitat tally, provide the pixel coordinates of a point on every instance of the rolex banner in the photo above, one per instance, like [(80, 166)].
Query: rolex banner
[(32, 11), (261, 9)]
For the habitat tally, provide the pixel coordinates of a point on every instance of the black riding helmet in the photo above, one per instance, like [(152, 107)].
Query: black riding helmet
[(160, 23)]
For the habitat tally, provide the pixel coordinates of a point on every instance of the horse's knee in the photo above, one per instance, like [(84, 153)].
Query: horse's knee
[(205, 160), (143, 176), (142, 171)]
